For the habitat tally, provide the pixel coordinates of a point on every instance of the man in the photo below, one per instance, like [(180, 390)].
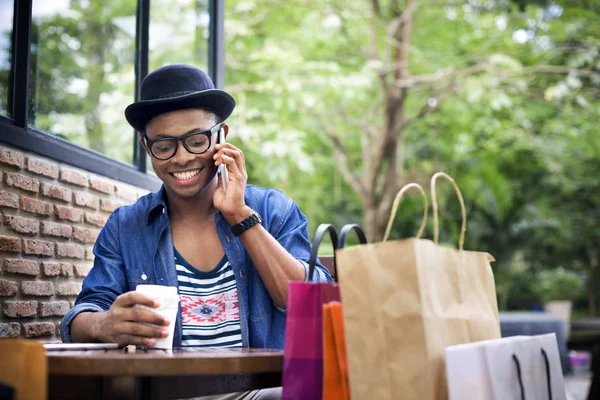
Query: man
[(231, 252)]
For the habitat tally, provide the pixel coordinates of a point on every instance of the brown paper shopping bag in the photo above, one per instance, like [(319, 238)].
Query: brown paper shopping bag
[(404, 302)]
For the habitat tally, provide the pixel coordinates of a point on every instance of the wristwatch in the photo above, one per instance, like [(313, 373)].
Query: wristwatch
[(246, 224)]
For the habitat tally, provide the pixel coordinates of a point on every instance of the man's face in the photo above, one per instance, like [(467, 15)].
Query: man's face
[(185, 174)]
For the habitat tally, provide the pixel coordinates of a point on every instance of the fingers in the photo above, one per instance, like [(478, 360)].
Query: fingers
[(231, 156), (132, 298), (137, 330)]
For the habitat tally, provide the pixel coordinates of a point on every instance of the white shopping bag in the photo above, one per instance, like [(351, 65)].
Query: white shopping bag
[(519, 367)]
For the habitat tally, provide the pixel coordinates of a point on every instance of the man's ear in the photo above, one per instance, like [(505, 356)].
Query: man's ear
[(225, 129), (143, 142)]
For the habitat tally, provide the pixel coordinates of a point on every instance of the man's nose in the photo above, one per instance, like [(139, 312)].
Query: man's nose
[(182, 156)]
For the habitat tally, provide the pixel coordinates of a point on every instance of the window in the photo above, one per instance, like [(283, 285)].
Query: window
[(69, 68), (6, 23), (82, 72), (179, 33)]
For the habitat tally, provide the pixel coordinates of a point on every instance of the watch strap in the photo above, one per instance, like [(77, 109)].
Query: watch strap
[(246, 224)]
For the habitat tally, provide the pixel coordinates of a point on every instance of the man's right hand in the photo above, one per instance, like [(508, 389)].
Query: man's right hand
[(123, 323)]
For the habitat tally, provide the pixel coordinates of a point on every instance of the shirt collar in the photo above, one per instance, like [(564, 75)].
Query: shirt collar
[(158, 204)]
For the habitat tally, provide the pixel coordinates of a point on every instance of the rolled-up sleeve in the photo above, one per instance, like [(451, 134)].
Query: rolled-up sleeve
[(292, 234), (105, 281)]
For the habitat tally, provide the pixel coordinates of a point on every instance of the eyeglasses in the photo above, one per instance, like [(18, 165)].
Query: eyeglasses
[(195, 143)]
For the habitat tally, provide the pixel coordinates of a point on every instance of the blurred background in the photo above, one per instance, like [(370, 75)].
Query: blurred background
[(341, 102)]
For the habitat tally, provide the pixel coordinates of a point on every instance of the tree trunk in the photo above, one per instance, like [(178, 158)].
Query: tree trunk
[(593, 284)]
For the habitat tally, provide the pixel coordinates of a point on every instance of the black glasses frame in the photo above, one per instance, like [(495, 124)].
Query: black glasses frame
[(182, 139)]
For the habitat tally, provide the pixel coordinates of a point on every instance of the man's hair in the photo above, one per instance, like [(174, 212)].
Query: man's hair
[(211, 114)]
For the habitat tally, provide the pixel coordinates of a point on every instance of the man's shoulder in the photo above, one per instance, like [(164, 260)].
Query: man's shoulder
[(267, 198)]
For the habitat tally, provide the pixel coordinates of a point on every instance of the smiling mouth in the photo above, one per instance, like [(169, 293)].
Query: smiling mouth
[(185, 176)]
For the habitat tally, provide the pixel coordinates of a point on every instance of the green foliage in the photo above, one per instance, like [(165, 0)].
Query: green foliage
[(559, 284)]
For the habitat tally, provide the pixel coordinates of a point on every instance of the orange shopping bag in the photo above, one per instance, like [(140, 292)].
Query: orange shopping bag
[(335, 362)]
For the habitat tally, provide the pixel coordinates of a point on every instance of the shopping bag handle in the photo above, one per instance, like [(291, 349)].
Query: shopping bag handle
[(312, 261), (397, 204), (346, 229), (547, 364), (548, 381), (518, 365), (436, 230)]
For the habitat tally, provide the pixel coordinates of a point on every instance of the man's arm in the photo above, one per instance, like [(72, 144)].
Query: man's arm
[(277, 264), (103, 311)]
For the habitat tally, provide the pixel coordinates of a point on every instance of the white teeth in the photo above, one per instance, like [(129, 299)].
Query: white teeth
[(184, 176)]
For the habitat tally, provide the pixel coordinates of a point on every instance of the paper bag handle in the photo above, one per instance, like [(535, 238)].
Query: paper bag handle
[(436, 229), (518, 365), (546, 363), (362, 238), (397, 204), (312, 261)]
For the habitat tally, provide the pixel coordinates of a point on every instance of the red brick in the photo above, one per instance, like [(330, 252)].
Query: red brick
[(51, 268), (37, 288), (102, 185), (69, 214), (68, 289), (38, 247), (21, 266), (69, 250), (42, 167), (36, 206), (55, 308), (8, 288), (11, 157), (57, 192), (10, 244), (22, 182), (109, 205), (96, 219), (28, 226), (89, 254), (126, 193), (86, 200), (12, 329), (82, 270), (8, 199), (57, 230), (17, 309), (36, 329), (73, 177), (84, 235), (66, 269)]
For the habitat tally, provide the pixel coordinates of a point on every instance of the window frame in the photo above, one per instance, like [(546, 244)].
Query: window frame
[(16, 132)]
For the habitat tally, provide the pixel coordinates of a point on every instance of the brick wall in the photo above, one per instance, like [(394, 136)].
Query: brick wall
[(51, 214)]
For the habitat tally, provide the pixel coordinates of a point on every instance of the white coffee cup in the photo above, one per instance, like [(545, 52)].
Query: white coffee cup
[(168, 300)]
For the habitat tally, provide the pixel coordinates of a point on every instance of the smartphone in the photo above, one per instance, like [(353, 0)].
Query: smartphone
[(223, 168)]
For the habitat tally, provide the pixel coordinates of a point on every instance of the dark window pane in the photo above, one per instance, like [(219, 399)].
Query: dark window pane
[(6, 28), (82, 72), (179, 33)]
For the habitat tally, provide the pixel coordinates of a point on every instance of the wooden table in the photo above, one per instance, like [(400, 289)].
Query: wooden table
[(160, 374)]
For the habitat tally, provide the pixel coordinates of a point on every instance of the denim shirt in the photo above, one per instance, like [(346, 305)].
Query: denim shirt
[(135, 247)]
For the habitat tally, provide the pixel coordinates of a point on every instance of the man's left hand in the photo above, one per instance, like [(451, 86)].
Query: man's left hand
[(231, 203)]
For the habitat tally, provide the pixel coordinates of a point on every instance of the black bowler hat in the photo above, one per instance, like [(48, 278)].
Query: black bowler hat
[(176, 87)]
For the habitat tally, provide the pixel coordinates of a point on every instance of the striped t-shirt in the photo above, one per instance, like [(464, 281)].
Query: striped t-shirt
[(210, 311)]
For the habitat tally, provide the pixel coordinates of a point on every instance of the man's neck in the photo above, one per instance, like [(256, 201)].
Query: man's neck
[(193, 209)]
